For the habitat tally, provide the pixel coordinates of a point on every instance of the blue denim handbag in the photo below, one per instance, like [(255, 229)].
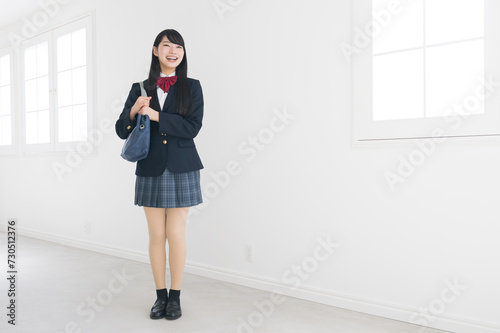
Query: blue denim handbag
[(136, 146)]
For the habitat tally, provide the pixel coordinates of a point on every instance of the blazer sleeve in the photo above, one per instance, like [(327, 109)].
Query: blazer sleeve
[(185, 126), (124, 125)]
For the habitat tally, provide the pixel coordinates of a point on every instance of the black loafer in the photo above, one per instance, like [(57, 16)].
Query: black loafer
[(158, 309), (173, 310)]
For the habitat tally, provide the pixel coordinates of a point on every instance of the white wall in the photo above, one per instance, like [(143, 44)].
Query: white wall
[(397, 249)]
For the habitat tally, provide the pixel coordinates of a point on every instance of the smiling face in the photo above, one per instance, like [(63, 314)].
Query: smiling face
[(169, 54)]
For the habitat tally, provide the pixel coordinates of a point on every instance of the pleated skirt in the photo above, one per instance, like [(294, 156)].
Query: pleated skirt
[(169, 190)]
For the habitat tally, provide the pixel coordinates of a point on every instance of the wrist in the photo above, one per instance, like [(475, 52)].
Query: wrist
[(156, 116)]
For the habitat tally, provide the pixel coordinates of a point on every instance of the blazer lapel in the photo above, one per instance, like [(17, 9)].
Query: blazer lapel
[(156, 103), (170, 98)]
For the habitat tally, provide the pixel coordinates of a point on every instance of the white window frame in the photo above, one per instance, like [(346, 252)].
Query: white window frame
[(11, 149), (68, 28), (51, 37), (367, 131), (40, 147)]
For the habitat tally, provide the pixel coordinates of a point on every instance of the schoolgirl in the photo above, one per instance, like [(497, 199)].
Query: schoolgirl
[(168, 180)]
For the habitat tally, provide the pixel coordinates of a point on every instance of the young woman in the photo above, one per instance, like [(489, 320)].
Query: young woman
[(168, 179)]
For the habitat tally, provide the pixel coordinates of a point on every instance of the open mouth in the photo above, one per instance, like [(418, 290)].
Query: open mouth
[(172, 59)]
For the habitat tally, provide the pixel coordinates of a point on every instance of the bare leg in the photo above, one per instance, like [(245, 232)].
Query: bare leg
[(157, 239), (176, 234)]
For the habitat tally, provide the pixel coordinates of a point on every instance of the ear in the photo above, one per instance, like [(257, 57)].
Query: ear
[(155, 51)]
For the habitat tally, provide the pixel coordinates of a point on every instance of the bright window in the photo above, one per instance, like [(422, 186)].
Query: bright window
[(72, 86), (427, 58), (425, 65), (5, 102), (36, 93), (57, 94)]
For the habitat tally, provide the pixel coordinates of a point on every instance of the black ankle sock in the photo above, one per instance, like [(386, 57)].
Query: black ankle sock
[(161, 293), (174, 295)]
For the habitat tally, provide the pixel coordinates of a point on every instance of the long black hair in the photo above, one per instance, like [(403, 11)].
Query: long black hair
[(182, 93)]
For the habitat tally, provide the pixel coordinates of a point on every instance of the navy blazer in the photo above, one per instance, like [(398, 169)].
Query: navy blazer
[(172, 141)]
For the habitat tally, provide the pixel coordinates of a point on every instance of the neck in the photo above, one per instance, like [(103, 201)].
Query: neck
[(167, 71)]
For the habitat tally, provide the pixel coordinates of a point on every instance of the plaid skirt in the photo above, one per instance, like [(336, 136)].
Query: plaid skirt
[(169, 190)]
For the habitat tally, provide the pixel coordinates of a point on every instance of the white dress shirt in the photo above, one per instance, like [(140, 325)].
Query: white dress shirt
[(162, 96)]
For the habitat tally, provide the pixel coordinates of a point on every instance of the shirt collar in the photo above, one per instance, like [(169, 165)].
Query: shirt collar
[(163, 75)]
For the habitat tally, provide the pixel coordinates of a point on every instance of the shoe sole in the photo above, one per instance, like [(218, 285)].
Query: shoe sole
[(172, 318), (154, 318)]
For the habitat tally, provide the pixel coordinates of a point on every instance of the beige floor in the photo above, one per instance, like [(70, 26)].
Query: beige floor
[(64, 289)]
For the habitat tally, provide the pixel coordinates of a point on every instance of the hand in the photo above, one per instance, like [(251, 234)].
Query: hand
[(142, 101), (153, 115)]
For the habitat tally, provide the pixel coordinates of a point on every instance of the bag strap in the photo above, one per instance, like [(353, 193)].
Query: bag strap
[(143, 91)]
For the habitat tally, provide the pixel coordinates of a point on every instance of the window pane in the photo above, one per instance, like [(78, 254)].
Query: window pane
[(37, 94), (453, 73), (30, 63), (4, 70), (42, 56), (80, 123), (64, 88), (31, 127), (398, 86), (5, 101), (452, 20), (64, 118), (43, 93), (5, 131), (72, 87), (79, 47), (64, 52), (65, 124), (31, 95), (43, 127), (80, 85), (404, 30)]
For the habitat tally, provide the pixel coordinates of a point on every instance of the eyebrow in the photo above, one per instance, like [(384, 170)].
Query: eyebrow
[(171, 43)]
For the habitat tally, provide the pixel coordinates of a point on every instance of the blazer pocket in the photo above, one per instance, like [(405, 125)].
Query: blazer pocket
[(186, 143)]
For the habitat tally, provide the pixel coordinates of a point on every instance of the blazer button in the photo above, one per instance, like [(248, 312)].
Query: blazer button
[(164, 142), (129, 127)]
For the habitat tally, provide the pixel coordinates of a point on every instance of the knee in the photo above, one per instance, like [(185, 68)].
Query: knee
[(158, 239), (175, 236)]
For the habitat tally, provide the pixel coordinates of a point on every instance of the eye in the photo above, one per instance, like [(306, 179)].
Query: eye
[(179, 47)]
